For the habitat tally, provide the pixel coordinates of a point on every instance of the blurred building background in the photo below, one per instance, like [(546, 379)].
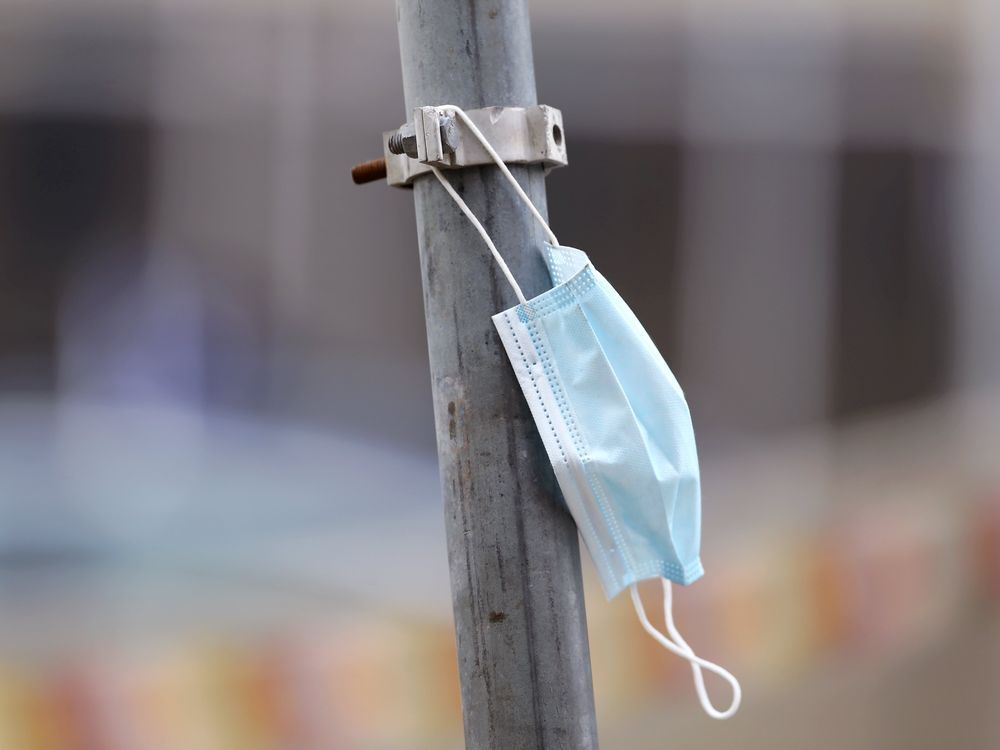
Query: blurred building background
[(220, 522)]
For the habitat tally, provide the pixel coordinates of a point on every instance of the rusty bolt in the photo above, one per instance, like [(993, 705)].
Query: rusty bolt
[(368, 171)]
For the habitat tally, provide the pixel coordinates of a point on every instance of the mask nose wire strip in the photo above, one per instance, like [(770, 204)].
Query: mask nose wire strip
[(684, 651), (482, 233)]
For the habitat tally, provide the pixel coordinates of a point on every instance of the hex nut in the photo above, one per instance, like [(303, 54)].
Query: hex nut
[(451, 138), (404, 141)]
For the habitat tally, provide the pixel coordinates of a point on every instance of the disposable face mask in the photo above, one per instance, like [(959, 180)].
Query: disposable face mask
[(615, 425)]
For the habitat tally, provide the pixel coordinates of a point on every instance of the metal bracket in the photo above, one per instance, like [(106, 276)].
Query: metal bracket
[(520, 135)]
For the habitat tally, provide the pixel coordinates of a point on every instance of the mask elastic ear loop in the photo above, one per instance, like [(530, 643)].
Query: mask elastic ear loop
[(683, 650), (482, 233), (503, 167), (451, 108), (699, 677)]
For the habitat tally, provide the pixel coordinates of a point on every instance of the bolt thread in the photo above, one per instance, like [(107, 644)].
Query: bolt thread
[(369, 171), (396, 143)]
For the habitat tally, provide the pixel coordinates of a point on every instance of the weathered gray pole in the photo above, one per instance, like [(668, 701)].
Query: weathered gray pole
[(512, 548)]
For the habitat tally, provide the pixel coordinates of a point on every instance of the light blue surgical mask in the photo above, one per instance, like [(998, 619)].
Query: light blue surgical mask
[(615, 425)]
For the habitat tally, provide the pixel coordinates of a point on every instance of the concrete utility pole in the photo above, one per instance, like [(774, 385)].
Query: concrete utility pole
[(512, 548)]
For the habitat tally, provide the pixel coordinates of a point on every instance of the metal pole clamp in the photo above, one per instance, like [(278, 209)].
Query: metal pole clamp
[(519, 135)]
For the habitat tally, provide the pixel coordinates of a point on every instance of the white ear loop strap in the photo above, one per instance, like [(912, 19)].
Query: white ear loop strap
[(699, 677), (683, 650), (482, 233), (503, 167), (451, 108)]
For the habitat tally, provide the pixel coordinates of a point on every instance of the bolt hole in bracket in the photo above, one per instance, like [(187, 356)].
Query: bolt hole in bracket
[(520, 135)]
